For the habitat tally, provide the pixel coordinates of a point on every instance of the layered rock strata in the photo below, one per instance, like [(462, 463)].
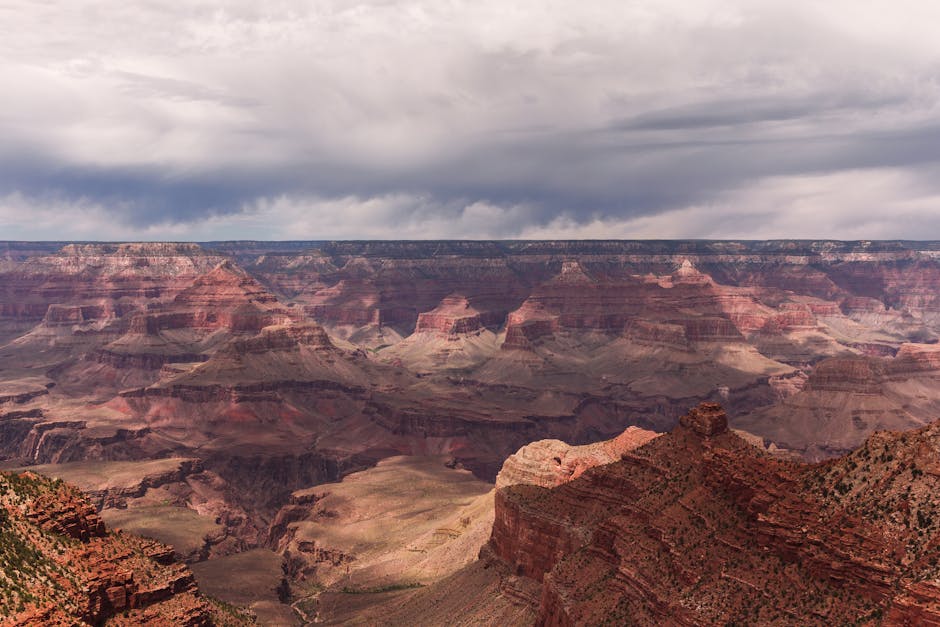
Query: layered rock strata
[(59, 565), (550, 463), (698, 527)]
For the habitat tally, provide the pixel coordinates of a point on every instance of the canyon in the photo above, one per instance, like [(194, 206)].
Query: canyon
[(253, 401), (700, 527)]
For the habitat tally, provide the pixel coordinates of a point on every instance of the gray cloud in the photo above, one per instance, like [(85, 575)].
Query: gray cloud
[(756, 110), (418, 118)]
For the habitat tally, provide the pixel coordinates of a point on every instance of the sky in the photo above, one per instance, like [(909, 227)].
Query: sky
[(482, 119)]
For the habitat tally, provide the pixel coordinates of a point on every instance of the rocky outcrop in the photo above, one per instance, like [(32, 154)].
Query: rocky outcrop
[(708, 419), (522, 334), (688, 274), (699, 527), (550, 463), (844, 399), (454, 315), (223, 298), (915, 358), (282, 338), (792, 317), (69, 315), (918, 604), (123, 360), (649, 308), (847, 374), (153, 474), (657, 334), (21, 396), (61, 566)]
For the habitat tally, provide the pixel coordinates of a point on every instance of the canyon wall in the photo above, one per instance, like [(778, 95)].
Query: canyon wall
[(699, 527)]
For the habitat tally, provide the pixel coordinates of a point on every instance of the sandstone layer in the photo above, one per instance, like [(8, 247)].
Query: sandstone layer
[(550, 463)]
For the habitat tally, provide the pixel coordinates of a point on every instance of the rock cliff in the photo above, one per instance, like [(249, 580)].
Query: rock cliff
[(60, 565), (698, 527)]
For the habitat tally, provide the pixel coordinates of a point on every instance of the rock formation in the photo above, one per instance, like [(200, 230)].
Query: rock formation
[(275, 366), (60, 565), (698, 527), (550, 463), (707, 420), (124, 275), (453, 315)]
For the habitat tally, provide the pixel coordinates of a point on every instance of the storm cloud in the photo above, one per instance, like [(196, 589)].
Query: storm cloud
[(485, 119)]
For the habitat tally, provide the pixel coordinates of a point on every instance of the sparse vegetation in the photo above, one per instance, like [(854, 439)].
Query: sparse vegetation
[(52, 547), (380, 589)]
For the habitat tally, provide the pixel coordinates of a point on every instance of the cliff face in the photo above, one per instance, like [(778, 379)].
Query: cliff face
[(59, 565), (697, 527), (399, 280), (131, 274), (845, 399), (642, 328), (454, 315)]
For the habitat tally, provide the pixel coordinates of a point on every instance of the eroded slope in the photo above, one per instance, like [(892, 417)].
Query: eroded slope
[(60, 565)]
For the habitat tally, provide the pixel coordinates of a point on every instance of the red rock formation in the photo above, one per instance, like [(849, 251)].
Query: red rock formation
[(61, 566), (792, 317), (710, 329), (549, 463), (101, 275), (282, 338), (452, 316), (390, 285), (82, 314), (847, 374), (706, 420), (576, 300), (521, 335), (698, 527), (918, 605), (225, 297), (829, 309), (915, 358), (862, 305), (688, 274), (657, 334)]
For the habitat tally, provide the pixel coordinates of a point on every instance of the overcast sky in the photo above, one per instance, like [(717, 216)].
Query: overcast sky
[(142, 119)]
